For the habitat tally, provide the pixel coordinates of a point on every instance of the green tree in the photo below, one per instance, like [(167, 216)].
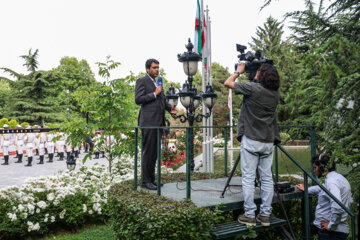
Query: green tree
[(112, 109), (31, 62), (329, 88), (5, 94)]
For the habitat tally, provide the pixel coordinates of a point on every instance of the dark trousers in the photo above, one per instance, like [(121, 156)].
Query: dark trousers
[(148, 154), (331, 235)]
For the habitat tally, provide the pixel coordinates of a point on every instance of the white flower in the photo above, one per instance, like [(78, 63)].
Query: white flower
[(37, 210), (62, 214), (12, 216), (41, 204), (31, 208), (91, 212), (50, 197), (36, 227), (46, 217), (21, 207), (84, 208), (354, 165), (52, 219), (33, 227)]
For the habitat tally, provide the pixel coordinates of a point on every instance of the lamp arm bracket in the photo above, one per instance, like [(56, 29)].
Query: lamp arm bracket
[(182, 117), (200, 116)]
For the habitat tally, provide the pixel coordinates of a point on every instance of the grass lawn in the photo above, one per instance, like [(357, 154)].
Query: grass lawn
[(94, 232)]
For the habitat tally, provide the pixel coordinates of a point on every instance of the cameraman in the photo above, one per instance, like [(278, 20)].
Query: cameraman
[(330, 218), (258, 132)]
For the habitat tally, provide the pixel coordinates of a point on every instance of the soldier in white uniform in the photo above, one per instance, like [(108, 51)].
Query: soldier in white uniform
[(19, 141), (41, 140), (60, 144), (29, 140), (5, 143), (95, 141), (50, 145), (68, 146), (36, 141)]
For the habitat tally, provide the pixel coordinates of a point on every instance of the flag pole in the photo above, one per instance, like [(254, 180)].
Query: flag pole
[(211, 120), (205, 138)]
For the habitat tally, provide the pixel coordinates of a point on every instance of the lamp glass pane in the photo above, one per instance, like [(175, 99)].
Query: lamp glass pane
[(197, 103), (190, 68), (173, 102), (71, 167), (185, 101), (208, 102)]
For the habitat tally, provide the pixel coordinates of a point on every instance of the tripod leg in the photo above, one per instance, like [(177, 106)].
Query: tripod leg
[(231, 175)]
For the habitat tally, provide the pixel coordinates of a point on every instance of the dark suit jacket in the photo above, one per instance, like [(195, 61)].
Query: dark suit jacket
[(152, 111)]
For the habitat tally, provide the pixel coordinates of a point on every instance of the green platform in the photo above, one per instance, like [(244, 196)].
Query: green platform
[(206, 193)]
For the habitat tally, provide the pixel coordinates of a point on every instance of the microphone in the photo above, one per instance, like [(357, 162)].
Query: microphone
[(160, 81)]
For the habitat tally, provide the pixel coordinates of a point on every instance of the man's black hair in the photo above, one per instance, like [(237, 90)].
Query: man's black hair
[(268, 77), (149, 62), (322, 161)]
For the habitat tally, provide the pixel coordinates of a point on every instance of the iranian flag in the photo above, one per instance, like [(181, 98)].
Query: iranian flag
[(200, 33)]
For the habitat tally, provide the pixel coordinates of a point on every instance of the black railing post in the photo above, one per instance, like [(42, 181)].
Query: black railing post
[(226, 153), (158, 161), (313, 147), (276, 164), (188, 163), (136, 158), (306, 208)]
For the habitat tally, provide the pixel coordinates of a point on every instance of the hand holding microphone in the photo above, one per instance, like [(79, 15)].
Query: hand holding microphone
[(159, 86)]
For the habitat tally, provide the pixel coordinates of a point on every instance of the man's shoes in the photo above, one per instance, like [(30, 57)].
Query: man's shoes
[(149, 186), (245, 220), (264, 220), (155, 183)]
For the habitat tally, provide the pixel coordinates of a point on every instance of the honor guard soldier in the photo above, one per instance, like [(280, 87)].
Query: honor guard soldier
[(29, 140), (68, 146), (19, 141), (60, 144), (5, 143), (95, 141), (50, 145), (41, 137), (36, 141)]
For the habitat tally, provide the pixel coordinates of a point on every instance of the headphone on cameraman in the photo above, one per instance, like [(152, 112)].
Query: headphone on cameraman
[(321, 164)]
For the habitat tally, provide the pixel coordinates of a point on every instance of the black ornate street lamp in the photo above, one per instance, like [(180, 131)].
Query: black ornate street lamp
[(71, 163), (189, 97)]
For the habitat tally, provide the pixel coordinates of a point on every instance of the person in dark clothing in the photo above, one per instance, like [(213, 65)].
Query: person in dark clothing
[(153, 104), (258, 132)]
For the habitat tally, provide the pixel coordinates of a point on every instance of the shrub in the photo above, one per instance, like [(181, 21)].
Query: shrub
[(64, 201), (138, 214)]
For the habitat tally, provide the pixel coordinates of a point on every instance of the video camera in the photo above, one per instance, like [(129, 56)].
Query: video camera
[(251, 66)]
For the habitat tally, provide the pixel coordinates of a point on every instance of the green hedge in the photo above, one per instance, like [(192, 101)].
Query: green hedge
[(143, 215)]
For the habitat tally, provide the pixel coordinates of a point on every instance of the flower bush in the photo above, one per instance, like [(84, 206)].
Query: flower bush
[(175, 155), (219, 141), (66, 200)]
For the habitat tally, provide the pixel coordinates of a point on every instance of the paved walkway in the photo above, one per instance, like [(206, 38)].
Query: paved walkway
[(16, 173)]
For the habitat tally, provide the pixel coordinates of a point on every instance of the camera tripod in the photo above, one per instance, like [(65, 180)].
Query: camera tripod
[(230, 176)]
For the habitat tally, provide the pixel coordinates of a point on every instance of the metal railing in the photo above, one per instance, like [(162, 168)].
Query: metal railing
[(307, 175)]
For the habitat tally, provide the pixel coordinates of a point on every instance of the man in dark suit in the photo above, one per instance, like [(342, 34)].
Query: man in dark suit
[(153, 104)]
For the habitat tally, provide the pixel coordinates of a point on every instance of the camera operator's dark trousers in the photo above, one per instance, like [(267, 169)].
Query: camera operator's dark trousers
[(148, 154)]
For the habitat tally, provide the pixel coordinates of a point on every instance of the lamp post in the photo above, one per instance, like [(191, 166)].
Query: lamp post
[(189, 97), (71, 163)]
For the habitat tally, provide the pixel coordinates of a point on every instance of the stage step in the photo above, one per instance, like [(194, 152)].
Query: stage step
[(236, 229)]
